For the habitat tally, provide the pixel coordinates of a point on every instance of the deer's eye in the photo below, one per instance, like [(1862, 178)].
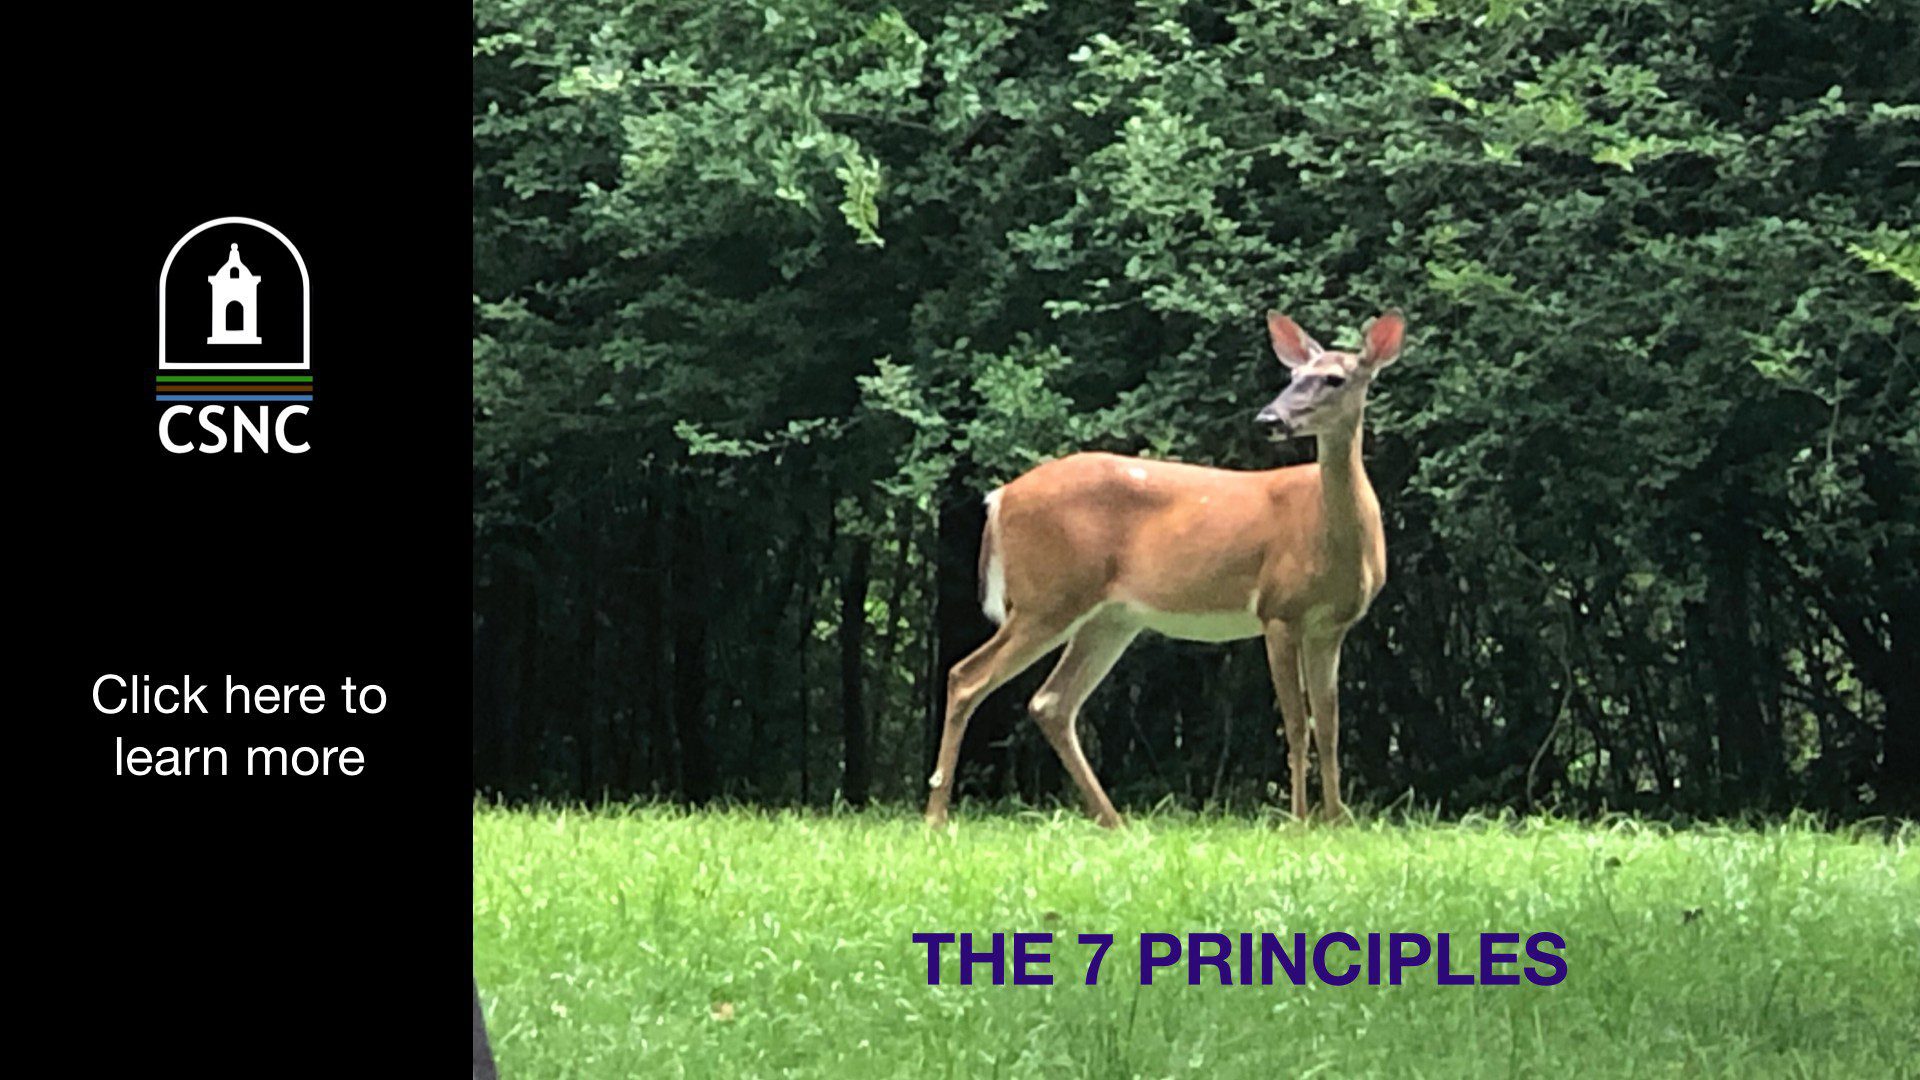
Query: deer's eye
[(1336, 380)]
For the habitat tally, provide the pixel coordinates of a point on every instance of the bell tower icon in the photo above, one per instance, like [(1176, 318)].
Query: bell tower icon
[(234, 295)]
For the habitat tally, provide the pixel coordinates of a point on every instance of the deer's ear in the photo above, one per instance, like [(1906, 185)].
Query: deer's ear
[(1383, 340), (1290, 343)]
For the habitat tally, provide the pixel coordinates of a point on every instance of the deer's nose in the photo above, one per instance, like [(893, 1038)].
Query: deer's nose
[(1271, 416)]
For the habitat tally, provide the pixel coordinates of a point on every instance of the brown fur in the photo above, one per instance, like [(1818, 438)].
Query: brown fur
[(1083, 530)]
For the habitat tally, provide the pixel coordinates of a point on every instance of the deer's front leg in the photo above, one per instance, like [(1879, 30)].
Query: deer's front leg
[(1321, 663), (1283, 662)]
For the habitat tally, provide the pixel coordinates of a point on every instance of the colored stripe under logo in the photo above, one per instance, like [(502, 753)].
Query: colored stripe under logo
[(233, 397), (232, 387)]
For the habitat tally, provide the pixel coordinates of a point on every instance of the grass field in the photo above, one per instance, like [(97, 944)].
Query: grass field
[(655, 942)]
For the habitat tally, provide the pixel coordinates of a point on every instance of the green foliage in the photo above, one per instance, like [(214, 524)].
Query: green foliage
[(801, 271), (734, 944), (1893, 252)]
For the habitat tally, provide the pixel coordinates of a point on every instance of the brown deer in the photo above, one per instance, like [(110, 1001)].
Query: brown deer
[(1091, 549)]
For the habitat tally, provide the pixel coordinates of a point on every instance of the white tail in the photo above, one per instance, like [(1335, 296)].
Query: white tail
[(993, 569), (1092, 549)]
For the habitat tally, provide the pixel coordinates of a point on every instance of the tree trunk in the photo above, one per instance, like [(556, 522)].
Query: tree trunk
[(689, 585), (858, 776), (1898, 783), (489, 759), (523, 735), (649, 653), (582, 698), (804, 636), (891, 752), (1749, 754), (762, 762)]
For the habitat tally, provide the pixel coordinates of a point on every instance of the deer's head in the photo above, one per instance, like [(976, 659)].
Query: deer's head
[(1328, 387)]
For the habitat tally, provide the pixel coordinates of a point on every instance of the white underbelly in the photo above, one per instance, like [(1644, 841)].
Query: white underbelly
[(1230, 625)]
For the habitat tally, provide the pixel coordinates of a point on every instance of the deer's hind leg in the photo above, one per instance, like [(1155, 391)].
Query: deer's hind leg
[(1089, 656), (1012, 649)]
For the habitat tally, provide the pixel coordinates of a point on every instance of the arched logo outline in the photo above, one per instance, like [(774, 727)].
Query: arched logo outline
[(306, 306)]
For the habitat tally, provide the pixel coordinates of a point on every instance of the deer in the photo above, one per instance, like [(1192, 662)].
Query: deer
[(1090, 550)]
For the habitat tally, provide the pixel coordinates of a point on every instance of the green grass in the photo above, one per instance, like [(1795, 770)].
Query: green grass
[(657, 942)]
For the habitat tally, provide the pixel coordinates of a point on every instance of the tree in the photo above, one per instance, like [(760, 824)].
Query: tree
[(758, 291)]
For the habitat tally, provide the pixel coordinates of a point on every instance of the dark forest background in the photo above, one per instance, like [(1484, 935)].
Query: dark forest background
[(767, 295)]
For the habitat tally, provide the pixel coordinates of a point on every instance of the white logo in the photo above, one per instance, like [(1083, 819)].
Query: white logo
[(235, 285), (235, 290), (220, 400)]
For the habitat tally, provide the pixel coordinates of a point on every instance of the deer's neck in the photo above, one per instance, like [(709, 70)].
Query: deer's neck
[(1352, 513)]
